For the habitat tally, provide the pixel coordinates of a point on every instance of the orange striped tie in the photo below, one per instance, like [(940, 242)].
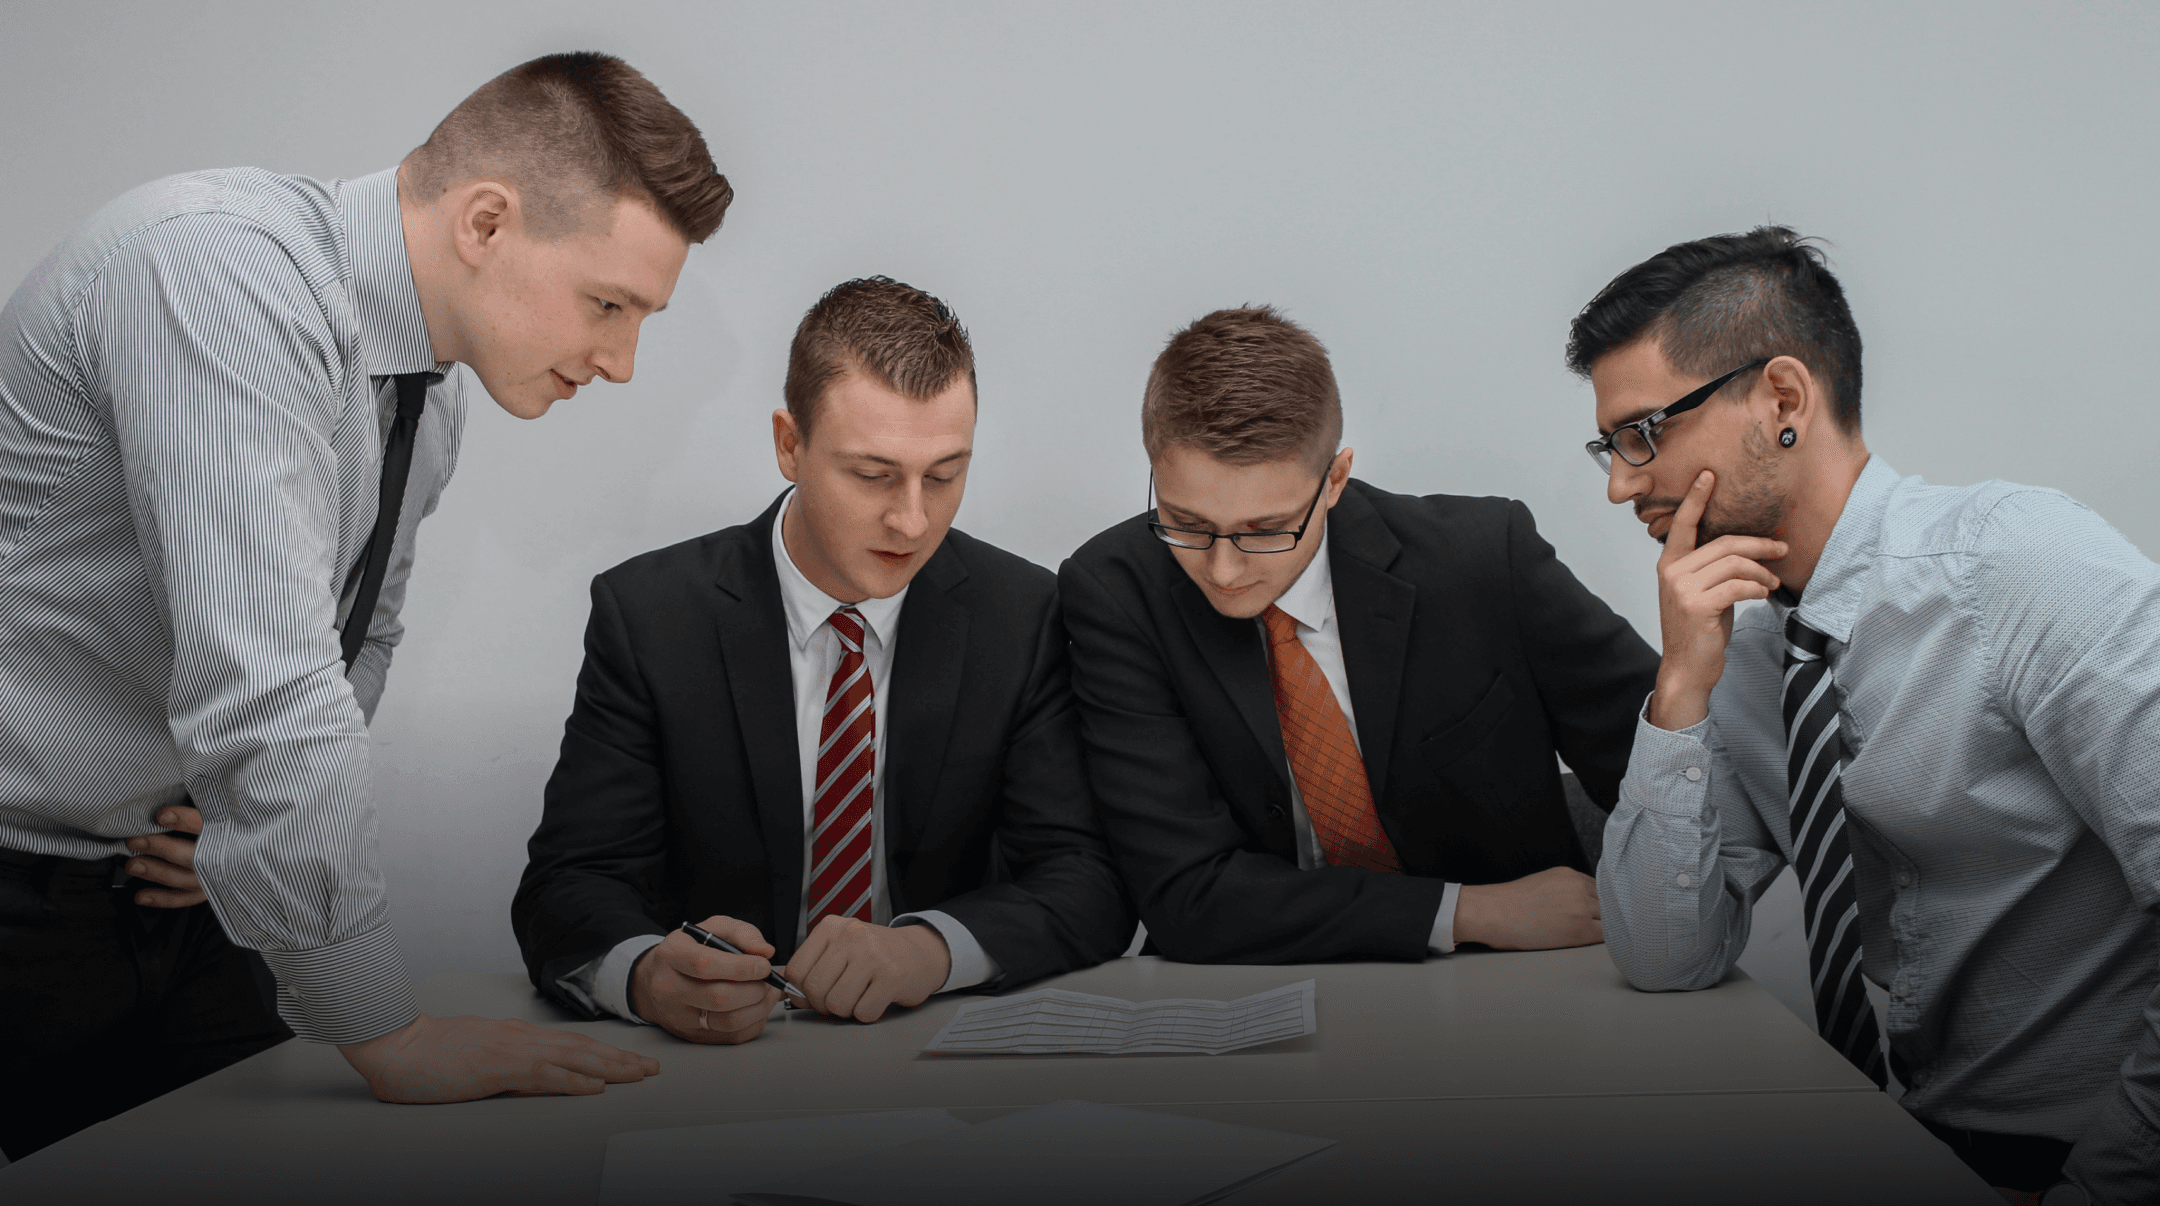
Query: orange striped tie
[(1324, 757)]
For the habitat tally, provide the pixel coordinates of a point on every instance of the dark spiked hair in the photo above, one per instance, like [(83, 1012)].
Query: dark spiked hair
[(1720, 302)]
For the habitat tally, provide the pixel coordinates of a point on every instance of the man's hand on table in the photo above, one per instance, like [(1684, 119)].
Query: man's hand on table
[(464, 1058), (168, 859), (704, 995), (850, 968), (1553, 908)]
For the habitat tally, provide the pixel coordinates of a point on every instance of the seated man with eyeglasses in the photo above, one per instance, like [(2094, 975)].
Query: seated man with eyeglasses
[(1939, 705), (1321, 719)]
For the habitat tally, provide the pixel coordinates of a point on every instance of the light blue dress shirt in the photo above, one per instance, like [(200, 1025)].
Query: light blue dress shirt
[(1996, 655)]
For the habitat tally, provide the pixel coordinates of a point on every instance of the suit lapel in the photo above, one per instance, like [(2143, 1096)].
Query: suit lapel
[(754, 652), (928, 662), (1372, 611), (1232, 649)]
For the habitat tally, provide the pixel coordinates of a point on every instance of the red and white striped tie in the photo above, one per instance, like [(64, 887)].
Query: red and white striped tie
[(840, 846)]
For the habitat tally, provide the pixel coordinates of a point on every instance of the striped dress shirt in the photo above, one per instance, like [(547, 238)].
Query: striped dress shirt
[(1995, 654), (194, 392)]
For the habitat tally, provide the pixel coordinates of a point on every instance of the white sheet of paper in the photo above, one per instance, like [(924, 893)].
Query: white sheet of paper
[(1052, 1021), (700, 1163), (1069, 1153)]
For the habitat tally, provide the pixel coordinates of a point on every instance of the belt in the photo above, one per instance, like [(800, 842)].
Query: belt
[(112, 868)]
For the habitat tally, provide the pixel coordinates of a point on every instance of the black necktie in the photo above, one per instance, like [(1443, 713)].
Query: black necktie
[(1815, 766), (396, 467)]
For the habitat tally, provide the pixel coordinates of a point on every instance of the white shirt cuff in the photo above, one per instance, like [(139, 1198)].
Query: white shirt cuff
[(971, 964), (1443, 926), (604, 983)]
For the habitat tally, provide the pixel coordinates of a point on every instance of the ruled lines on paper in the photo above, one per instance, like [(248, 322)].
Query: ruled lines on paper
[(1052, 1021)]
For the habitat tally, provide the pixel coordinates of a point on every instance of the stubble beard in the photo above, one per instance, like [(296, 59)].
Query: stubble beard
[(1747, 503)]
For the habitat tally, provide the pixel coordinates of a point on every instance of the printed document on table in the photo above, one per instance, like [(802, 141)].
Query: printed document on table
[(1052, 1021)]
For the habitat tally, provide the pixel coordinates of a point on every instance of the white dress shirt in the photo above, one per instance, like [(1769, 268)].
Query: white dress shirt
[(813, 653), (1311, 602)]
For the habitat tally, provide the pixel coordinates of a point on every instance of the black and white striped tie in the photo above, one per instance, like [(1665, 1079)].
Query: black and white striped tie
[(1814, 766)]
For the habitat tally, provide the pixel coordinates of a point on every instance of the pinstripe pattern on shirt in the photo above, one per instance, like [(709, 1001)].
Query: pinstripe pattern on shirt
[(1995, 654), (194, 389)]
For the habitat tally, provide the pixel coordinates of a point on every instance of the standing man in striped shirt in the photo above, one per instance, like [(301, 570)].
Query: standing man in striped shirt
[(225, 405)]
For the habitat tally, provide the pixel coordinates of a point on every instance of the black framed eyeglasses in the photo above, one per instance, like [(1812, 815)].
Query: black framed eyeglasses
[(1244, 542), (1636, 443)]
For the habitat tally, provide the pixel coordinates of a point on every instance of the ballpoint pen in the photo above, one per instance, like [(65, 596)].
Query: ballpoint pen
[(718, 943)]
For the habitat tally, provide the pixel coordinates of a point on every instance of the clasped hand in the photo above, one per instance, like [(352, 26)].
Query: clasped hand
[(846, 968), (1543, 911)]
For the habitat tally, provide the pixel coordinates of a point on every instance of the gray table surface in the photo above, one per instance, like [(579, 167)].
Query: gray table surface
[(1532, 1076)]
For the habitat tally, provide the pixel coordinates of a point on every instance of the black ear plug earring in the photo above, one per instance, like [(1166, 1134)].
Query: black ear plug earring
[(1788, 437)]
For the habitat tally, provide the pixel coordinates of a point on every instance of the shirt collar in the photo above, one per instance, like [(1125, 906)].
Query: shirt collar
[(1311, 599), (393, 335), (1831, 603), (808, 608)]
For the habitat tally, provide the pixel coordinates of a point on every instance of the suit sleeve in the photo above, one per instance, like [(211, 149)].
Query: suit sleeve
[(1592, 670), (594, 866), (1064, 906), (1206, 897)]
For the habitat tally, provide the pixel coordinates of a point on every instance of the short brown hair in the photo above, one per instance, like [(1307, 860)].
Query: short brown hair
[(574, 132), (1244, 386), (905, 339)]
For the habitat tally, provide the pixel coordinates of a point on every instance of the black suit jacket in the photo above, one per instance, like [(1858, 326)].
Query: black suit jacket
[(1473, 655), (679, 793)]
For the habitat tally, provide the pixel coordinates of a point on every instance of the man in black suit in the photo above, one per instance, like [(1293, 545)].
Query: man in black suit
[(1320, 718), (841, 733)]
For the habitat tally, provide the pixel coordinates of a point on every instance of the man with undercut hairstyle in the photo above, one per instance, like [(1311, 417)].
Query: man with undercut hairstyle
[(1321, 719), (1946, 721), (226, 402), (840, 734)]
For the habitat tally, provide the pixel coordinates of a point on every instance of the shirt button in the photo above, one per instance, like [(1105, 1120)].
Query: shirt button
[(1684, 880), (1902, 991), (1694, 774), (1904, 879)]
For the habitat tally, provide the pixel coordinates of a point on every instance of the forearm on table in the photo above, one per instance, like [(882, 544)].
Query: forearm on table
[(347, 993), (1442, 939), (569, 919), (1674, 898), (971, 965), (601, 985), (1206, 915)]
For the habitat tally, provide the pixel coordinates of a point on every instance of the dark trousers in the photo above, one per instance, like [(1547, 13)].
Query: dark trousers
[(105, 1004), (2027, 1162)]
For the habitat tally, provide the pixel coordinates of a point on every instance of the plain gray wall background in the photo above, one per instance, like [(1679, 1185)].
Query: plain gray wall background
[(1433, 189)]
